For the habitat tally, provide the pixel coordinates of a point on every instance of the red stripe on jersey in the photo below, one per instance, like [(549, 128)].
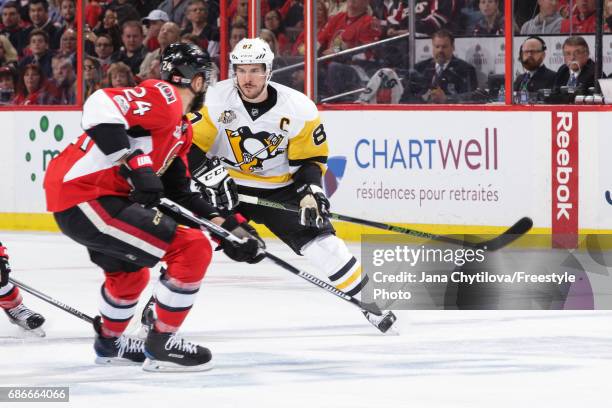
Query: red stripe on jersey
[(130, 229)]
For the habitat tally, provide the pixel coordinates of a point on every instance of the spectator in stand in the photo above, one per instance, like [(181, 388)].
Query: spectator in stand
[(104, 51), (133, 51), (298, 45), (93, 13), (349, 29), (125, 11), (273, 22), (68, 45), (343, 31), (38, 10), (110, 26), (444, 77), (92, 75), (176, 10), (582, 19), (578, 72), (189, 38), (119, 75), (269, 37), (292, 13), (13, 26), (382, 10), (548, 20), (237, 33), (608, 16), (198, 25), (492, 20), (168, 34), (153, 22), (531, 55), (67, 13), (54, 12), (62, 86), (335, 6), (8, 79), (32, 87), (154, 70), (242, 12), (40, 52), (431, 16), (8, 53)]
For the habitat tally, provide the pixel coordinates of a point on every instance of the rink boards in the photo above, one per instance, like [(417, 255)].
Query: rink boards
[(445, 171)]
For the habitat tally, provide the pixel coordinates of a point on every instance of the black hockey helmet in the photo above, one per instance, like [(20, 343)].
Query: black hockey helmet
[(181, 62)]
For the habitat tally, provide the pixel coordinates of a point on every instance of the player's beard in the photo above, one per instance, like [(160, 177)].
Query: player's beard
[(251, 97)]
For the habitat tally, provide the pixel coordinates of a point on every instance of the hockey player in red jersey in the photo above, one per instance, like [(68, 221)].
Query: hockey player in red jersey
[(101, 190), (12, 303)]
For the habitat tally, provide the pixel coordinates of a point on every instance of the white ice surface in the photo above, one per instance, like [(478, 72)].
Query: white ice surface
[(278, 341)]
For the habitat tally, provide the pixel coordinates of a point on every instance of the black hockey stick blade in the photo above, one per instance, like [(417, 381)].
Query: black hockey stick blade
[(515, 231), (520, 228)]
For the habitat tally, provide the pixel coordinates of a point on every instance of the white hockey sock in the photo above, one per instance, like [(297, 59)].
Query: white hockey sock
[(331, 256)]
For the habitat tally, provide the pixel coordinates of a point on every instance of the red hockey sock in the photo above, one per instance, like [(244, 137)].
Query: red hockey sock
[(10, 297), (119, 297), (188, 257)]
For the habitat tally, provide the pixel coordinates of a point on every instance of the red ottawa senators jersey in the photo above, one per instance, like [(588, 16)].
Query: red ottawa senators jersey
[(152, 113)]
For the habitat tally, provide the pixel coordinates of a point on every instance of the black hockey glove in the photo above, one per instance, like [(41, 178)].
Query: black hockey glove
[(251, 250), (147, 186), (314, 206), (5, 268), (215, 183)]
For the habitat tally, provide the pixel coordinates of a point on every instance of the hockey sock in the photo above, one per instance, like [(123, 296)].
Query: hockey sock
[(119, 298), (187, 258), (331, 256), (10, 296)]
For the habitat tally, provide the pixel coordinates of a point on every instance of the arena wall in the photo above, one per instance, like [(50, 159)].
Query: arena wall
[(470, 171)]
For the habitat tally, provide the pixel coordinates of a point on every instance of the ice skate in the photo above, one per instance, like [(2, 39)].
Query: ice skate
[(27, 319), (167, 352)]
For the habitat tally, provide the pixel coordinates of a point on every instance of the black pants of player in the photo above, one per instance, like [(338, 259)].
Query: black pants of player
[(121, 236), (284, 224)]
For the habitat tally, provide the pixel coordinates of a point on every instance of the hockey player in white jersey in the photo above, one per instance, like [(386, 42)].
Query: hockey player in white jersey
[(271, 141)]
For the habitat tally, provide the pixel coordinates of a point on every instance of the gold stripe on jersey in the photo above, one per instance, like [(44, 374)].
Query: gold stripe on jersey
[(204, 130), (283, 178), (309, 143)]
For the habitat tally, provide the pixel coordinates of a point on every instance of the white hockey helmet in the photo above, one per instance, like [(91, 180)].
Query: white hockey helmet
[(252, 51)]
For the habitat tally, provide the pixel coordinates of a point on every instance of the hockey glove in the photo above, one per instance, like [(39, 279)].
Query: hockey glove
[(147, 187), (314, 206), (216, 184), (251, 250), (5, 268)]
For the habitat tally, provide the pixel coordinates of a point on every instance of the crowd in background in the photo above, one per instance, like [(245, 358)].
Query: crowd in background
[(124, 38)]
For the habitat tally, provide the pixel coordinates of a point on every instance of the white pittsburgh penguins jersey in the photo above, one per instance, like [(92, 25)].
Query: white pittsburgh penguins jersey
[(261, 153)]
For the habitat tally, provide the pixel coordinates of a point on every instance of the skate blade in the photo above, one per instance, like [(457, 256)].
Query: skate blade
[(115, 361), (168, 367)]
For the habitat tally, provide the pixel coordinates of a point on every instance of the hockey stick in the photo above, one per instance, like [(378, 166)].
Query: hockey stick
[(511, 234), (222, 234), (52, 301)]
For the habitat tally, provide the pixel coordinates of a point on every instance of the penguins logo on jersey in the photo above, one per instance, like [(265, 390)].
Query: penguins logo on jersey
[(251, 150)]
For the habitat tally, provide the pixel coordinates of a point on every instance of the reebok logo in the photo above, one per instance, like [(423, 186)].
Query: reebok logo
[(565, 179)]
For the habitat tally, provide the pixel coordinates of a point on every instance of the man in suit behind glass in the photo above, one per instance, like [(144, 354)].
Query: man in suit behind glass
[(578, 72), (536, 75), (444, 78)]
